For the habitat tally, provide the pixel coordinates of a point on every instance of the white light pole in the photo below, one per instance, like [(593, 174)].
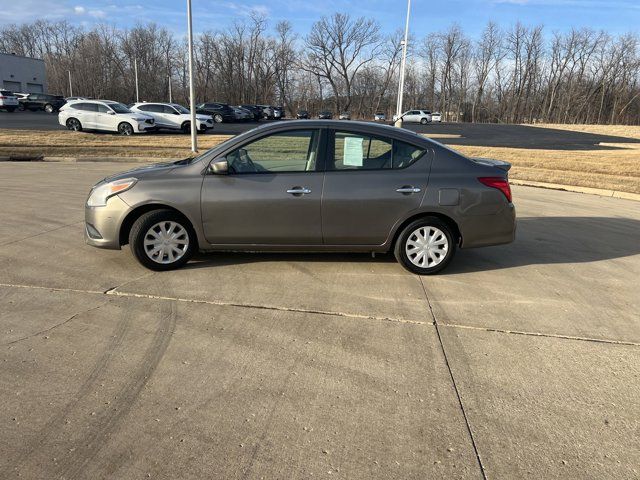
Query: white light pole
[(403, 63), (192, 98), (70, 87), (170, 100), (135, 69)]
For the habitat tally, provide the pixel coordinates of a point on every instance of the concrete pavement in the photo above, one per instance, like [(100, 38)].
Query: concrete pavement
[(519, 361)]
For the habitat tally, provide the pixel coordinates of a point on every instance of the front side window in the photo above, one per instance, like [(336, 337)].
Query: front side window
[(103, 108), (293, 151), (167, 109), (355, 151)]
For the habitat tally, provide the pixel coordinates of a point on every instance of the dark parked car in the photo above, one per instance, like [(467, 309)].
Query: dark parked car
[(311, 185), (42, 101), (325, 115), (302, 114), (255, 110), (221, 112)]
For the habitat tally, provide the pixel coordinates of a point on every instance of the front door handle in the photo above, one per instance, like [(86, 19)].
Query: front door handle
[(408, 189), (299, 191)]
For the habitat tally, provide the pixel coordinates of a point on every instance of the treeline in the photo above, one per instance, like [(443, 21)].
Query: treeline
[(518, 74)]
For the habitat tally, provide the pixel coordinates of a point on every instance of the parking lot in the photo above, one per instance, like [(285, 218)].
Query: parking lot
[(520, 361)]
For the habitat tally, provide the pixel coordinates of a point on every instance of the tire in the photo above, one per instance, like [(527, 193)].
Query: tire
[(21, 108), (11, 109), (217, 118), (125, 128), (74, 125), (48, 108), (436, 254), (424, 121), (182, 247), (186, 127)]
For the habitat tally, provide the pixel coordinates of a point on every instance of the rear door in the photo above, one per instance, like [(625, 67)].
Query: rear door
[(370, 183), (413, 116), (271, 195), (86, 113)]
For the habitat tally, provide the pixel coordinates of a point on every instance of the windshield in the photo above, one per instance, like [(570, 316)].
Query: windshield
[(119, 108), (180, 108)]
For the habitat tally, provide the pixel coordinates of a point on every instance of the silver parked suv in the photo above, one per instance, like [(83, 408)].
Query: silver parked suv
[(314, 185)]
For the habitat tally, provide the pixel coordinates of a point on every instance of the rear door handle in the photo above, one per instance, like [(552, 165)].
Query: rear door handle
[(299, 191), (408, 189)]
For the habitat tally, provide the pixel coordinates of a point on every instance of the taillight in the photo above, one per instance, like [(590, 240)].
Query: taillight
[(500, 183), (3, 98)]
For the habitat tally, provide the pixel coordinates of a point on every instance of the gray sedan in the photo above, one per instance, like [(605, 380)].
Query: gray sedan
[(308, 186)]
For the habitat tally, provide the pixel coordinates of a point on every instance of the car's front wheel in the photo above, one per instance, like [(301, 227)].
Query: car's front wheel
[(125, 129), (162, 240), (185, 127), (425, 246)]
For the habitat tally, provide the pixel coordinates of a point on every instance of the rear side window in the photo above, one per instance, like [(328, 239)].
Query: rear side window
[(88, 107), (355, 151)]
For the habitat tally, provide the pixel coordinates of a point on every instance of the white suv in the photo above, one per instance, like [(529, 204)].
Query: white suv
[(103, 115), (173, 116), (8, 101), (415, 116)]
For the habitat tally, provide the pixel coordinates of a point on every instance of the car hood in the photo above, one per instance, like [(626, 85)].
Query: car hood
[(202, 117), (147, 171)]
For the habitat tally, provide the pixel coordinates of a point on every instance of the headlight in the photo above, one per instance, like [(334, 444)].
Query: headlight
[(100, 194)]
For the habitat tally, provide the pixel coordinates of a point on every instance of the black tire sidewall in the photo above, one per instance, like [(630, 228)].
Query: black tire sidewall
[(123, 131), (399, 247), (144, 223), (218, 118), (71, 121)]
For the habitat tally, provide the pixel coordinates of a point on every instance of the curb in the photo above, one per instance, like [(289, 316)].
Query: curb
[(105, 159), (570, 188)]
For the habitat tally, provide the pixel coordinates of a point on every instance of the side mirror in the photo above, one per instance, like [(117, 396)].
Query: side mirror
[(111, 112), (221, 167)]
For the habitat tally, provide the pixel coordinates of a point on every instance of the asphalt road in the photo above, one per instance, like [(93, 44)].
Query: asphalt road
[(521, 361), (479, 134)]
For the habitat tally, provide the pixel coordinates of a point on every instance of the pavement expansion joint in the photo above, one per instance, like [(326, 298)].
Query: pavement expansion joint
[(539, 334), (453, 380), (112, 291)]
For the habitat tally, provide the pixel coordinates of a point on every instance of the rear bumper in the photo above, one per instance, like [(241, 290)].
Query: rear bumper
[(487, 230)]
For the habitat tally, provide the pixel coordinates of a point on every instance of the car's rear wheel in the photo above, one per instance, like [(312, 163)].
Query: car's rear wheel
[(74, 125), (425, 246), (217, 118), (424, 121), (48, 108), (162, 240), (125, 129)]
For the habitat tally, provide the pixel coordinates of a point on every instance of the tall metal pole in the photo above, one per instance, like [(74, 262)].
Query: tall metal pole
[(70, 87), (192, 97), (135, 69), (170, 99), (403, 63)]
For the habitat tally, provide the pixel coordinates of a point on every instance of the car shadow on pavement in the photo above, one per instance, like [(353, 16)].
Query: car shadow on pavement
[(555, 240), (539, 241)]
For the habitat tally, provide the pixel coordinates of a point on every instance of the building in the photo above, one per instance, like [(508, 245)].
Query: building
[(22, 74)]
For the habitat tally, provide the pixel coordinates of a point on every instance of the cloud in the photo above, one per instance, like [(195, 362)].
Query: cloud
[(79, 10)]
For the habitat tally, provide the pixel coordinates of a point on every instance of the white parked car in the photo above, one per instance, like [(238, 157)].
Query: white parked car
[(8, 101), (173, 116), (104, 115), (436, 117), (380, 117), (344, 116), (415, 116)]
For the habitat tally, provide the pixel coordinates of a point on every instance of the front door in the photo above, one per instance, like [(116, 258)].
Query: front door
[(370, 183), (271, 194)]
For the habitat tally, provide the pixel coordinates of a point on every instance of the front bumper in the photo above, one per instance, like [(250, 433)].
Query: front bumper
[(102, 224)]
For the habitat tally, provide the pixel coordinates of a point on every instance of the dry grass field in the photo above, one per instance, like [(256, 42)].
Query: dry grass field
[(613, 166)]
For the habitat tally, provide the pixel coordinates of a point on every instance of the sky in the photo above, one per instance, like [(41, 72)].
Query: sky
[(614, 16)]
